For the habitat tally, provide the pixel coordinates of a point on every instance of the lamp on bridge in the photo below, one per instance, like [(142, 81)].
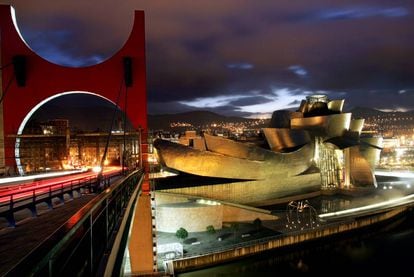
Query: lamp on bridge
[(19, 65)]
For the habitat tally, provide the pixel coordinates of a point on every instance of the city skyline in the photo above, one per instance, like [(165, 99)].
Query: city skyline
[(241, 58)]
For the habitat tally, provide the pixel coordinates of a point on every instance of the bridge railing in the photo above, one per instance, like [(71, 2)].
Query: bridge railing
[(80, 247), (28, 198)]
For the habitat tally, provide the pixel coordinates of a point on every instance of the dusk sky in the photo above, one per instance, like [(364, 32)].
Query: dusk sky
[(241, 57)]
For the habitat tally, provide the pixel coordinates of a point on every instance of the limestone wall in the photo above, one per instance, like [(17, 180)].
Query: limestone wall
[(175, 211), (192, 216), (232, 214), (254, 192)]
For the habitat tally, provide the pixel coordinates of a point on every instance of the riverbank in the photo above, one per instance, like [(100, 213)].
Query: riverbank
[(243, 250)]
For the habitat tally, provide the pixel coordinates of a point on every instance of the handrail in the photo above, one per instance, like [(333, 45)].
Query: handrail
[(29, 197), (79, 246)]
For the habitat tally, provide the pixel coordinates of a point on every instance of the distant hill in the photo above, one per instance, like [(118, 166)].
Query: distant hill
[(362, 112), (195, 118), (200, 118)]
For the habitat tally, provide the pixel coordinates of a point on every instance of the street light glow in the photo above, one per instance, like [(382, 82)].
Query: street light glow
[(392, 202)]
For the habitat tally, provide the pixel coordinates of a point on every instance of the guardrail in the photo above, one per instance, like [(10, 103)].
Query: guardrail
[(28, 198), (80, 246)]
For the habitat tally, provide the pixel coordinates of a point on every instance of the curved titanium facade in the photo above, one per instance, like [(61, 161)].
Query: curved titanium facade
[(371, 150), (283, 139), (234, 149), (327, 126), (356, 125), (208, 163), (336, 105), (360, 169), (317, 147)]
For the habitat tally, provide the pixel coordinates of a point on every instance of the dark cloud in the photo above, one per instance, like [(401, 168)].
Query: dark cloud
[(295, 103), (199, 49), (242, 66), (359, 12), (298, 70), (381, 99)]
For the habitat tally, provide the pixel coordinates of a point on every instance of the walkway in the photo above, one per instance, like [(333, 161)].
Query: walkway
[(15, 243), (141, 241)]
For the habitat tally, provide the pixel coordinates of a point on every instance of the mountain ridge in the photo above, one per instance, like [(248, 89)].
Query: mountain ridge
[(201, 117), (195, 118)]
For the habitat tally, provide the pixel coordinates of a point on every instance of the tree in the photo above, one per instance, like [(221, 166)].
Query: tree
[(257, 223), (210, 229), (235, 226), (181, 233)]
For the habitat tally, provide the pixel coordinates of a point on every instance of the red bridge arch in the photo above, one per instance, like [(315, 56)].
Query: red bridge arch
[(43, 79)]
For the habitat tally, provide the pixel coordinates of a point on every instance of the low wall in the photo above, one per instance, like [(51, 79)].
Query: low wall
[(239, 251), (192, 216), (239, 214), (175, 211)]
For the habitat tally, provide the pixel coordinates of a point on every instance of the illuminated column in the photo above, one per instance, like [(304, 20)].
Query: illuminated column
[(2, 163), (67, 150), (328, 164), (347, 177), (98, 150)]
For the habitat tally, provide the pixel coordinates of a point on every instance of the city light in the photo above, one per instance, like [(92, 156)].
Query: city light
[(97, 169), (208, 202), (44, 175)]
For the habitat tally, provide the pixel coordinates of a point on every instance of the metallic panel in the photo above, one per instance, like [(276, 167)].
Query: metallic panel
[(342, 142), (207, 163), (280, 119), (375, 142), (356, 125), (371, 150), (280, 139), (336, 105), (327, 126), (360, 169), (233, 148)]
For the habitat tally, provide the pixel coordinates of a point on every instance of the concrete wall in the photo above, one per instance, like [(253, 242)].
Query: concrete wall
[(232, 214), (254, 193), (192, 216), (175, 211), (168, 198)]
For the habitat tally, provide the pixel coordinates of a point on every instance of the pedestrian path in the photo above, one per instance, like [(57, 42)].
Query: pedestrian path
[(16, 243)]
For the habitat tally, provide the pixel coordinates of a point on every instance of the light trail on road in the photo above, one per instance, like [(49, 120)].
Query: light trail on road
[(384, 204), (11, 180), (25, 190), (400, 174)]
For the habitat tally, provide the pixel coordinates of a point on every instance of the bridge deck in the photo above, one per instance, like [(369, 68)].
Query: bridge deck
[(141, 242), (15, 243)]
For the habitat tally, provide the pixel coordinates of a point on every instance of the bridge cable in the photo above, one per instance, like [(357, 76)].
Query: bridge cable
[(125, 126), (110, 129), (6, 65)]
